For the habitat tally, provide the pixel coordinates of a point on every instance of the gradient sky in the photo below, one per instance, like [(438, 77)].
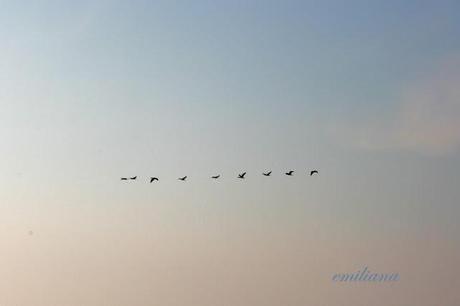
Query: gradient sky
[(365, 91)]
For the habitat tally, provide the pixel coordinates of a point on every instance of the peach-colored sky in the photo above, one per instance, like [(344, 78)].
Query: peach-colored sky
[(365, 91)]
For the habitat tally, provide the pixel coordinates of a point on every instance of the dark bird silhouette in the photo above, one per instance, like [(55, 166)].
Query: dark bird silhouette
[(290, 173), (241, 176), (215, 177), (153, 179), (182, 178), (267, 174), (313, 172), (133, 178), (124, 178)]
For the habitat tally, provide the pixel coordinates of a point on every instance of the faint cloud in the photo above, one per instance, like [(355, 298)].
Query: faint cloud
[(426, 119)]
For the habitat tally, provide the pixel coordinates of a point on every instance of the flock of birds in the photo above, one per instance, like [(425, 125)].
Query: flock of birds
[(215, 177)]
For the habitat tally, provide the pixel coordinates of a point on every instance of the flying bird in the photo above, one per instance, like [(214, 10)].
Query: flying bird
[(241, 176), (153, 179), (124, 178), (215, 177), (133, 178), (313, 172), (267, 174), (289, 173), (182, 178)]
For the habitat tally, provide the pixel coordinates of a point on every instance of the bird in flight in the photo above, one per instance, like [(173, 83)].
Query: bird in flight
[(133, 178), (153, 179), (290, 173), (124, 178), (267, 174), (241, 176), (182, 178), (215, 177), (313, 172)]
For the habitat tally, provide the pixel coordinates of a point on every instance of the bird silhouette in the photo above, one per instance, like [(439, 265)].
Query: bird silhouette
[(133, 178), (153, 179), (313, 172), (267, 174), (215, 177), (124, 178), (182, 178), (290, 173), (241, 176)]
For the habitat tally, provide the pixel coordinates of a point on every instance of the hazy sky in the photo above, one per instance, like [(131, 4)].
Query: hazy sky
[(365, 91)]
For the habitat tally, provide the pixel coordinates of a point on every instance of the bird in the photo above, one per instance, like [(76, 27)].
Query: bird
[(182, 178), (153, 179), (133, 178), (241, 176), (290, 173), (267, 174), (124, 178), (215, 177), (313, 172)]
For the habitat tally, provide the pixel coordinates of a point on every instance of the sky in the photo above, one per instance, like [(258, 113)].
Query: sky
[(364, 91)]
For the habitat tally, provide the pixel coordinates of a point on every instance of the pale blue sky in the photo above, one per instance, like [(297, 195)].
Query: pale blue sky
[(365, 91)]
